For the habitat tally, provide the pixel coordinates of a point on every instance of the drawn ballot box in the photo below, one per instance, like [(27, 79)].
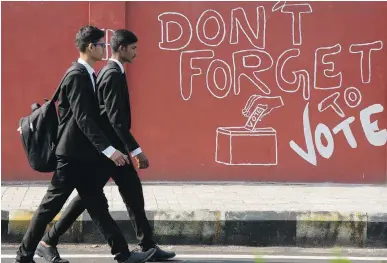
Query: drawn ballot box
[(249, 145), (242, 146)]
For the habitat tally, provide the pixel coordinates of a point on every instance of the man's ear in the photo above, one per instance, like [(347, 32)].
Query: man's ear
[(90, 47), (122, 48)]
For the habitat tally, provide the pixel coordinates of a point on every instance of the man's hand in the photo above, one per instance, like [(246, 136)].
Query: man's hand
[(142, 161), (119, 158)]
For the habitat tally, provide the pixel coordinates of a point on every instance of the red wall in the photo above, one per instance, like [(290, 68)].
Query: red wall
[(321, 72)]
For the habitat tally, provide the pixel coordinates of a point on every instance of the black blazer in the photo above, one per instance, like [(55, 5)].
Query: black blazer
[(79, 133), (114, 103)]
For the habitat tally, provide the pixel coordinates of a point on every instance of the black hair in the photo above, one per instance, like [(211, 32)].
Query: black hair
[(86, 35), (122, 37)]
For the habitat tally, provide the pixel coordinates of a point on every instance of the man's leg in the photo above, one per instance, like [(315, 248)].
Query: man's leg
[(57, 194), (97, 206), (130, 188), (131, 191), (69, 216)]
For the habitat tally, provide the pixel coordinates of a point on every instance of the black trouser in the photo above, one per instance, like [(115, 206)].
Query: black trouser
[(130, 188), (81, 176)]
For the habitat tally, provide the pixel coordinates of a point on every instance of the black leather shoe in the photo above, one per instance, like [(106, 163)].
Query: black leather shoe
[(140, 257), (160, 255), (50, 254)]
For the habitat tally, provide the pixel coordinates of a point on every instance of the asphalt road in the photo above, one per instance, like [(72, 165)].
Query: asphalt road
[(200, 254)]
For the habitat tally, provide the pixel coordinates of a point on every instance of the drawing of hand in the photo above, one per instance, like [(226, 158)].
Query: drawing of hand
[(267, 104)]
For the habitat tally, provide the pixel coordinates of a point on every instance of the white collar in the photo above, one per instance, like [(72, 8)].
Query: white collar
[(119, 64), (88, 67)]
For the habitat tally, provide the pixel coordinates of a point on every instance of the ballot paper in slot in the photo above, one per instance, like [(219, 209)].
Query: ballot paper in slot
[(255, 117)]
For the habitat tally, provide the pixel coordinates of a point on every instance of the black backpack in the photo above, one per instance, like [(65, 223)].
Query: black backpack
[(38, 133)]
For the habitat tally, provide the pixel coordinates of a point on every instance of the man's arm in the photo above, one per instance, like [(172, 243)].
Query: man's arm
[(80, 100), (116, 110)]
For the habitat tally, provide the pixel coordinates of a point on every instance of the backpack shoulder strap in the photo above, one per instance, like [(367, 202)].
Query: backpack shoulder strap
[(56, 94)]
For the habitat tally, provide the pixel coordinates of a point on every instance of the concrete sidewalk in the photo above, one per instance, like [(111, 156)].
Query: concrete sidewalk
[(228, 214)]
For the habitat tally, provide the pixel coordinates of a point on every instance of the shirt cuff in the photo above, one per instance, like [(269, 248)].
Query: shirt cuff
[(109, 151), (136, 152)]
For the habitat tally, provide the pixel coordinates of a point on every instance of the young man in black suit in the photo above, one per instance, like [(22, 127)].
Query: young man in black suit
[(114, 104), (83, 151)]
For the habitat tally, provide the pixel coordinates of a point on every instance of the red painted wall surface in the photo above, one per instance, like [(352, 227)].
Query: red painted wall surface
[(316, 68)]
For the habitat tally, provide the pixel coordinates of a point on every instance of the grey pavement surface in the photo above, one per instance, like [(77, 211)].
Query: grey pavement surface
[(213, 254), (254, 214), (232, 197)]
